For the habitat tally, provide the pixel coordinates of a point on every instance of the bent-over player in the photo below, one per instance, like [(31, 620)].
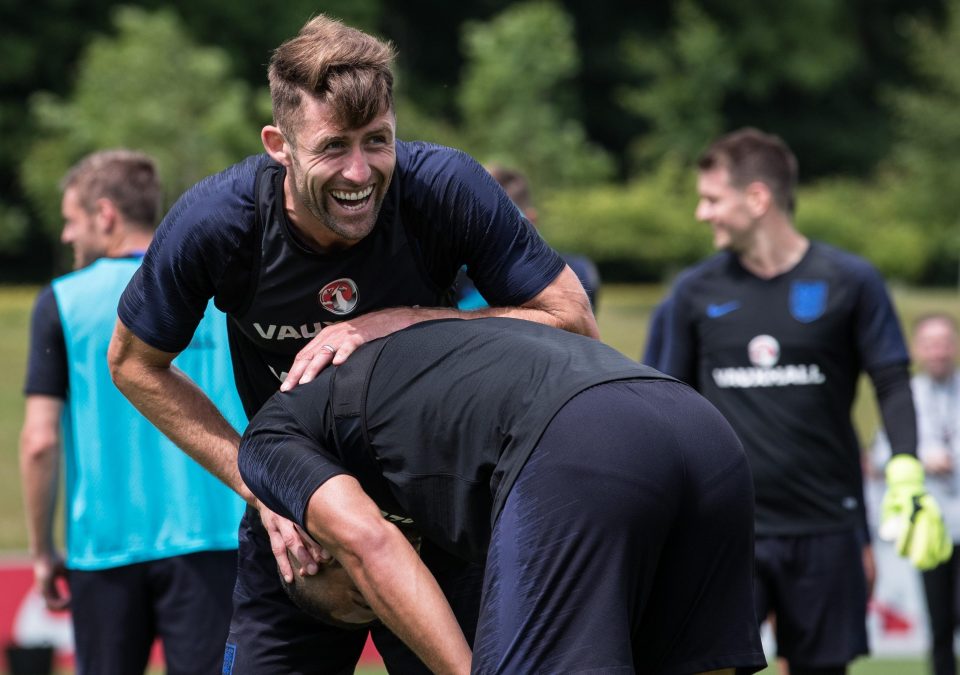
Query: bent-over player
[(612, 504)]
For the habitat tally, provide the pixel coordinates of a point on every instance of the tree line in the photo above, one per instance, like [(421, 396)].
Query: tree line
[(604, 105)]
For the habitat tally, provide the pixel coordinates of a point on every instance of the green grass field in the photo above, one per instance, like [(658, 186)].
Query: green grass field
[(624, 312)]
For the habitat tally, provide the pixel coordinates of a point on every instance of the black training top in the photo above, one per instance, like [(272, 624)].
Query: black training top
[(47, 372), (434, 421), (781, 359), (229, 238)]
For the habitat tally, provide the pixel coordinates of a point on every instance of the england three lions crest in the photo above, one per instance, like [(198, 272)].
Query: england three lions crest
[(808, 300), (339, 296)]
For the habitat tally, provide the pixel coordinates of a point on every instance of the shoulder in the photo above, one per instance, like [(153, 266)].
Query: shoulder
[(45, 302), (426, 159), (844, 265), (220, 207), (715, 267), (430, 169)]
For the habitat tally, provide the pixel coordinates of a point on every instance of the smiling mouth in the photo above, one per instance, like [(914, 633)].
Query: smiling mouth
[(352, 200)]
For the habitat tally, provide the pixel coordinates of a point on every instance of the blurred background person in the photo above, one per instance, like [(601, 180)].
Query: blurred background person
[(936, 395), (774, 330), (517, 187), (151, 537)]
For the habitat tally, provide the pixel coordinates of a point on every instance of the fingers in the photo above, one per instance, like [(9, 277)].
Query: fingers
[(54, 599), (288, 541), (307, 565), (347, 348), (54, 596), (335, 343), (279, 550), (308, 363), (316, 552)]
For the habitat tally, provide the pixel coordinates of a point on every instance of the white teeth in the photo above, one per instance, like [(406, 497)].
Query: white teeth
[(352, 196)]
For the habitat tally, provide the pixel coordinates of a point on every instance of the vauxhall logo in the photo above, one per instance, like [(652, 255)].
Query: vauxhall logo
[(283, 332), (764, 354), (337, 297)]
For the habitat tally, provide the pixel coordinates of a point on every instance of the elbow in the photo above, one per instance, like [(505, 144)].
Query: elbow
[(361, 548), (122, 364), (116, 362), (38, 445)]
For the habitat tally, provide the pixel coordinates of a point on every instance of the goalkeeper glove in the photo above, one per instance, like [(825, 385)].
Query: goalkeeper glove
[(910, 517)]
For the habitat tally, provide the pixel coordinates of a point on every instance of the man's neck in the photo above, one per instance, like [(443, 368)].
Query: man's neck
[(129, 243), (776, 248)]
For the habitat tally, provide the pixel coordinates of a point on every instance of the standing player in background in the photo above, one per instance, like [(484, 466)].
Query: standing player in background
[(151, 537), (936, 394), (517, 187), (775, 330), (340, 234)]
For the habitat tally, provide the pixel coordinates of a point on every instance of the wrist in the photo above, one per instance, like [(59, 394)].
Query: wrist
[(904, 470)]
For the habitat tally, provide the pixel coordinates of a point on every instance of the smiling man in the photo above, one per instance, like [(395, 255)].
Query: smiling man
[(339, 234), (774, 330)]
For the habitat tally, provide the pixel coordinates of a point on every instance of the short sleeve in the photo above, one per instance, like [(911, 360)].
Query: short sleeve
[(47, 373), (201, 250), (282, 461), (461, 211)]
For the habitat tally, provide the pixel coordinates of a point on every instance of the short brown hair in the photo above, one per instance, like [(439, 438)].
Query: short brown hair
[(127, 178), (751, 155), (514, 183), (337, 64)]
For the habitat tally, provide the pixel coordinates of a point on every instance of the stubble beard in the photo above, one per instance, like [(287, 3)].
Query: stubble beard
[(313, 201)]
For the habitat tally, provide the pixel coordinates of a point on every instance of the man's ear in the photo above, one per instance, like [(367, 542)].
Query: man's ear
[(105, 216), (276, 144), (759, 198)]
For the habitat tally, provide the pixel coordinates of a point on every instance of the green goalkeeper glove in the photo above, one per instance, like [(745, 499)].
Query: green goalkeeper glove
[(910, 517)]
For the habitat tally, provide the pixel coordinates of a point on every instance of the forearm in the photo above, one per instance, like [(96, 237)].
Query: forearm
[(563, 304), (39, 470), (405, 596), (388, 572), (895, 400)]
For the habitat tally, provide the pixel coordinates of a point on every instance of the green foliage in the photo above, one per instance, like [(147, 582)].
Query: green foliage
[(414, 123), (13, 228), (647, 230), (515, 96), (686, 79), (643, 230), (857, 217), (808, 45), (925, 162), (724, 65), (148, 88)]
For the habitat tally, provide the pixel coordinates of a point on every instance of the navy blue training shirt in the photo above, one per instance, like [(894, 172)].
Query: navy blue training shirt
[(229, 238), (781, 359)]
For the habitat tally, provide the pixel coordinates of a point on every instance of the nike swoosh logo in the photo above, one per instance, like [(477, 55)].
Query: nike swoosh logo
[(715, 311)]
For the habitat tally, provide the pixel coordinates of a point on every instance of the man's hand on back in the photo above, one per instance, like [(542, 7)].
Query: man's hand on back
[(335, 343)]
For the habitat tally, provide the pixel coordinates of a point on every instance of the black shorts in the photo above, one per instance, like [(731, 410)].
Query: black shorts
[(184, 600), (269, 634), (815, 584), (626, 543)]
